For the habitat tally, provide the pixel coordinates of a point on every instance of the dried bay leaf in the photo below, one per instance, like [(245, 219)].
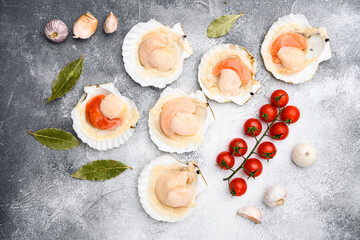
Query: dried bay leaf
[(100, 170), (56, 139), (66, 79), (222, 25)]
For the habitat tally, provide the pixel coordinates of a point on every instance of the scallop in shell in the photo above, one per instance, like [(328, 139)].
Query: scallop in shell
[(103, 118), (178, 121), (183, 190), (154, 54), (292, 49), (227, 73)]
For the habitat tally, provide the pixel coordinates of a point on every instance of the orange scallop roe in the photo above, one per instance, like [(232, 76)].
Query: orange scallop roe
[(236, 65), (290, 39), (96, 118)]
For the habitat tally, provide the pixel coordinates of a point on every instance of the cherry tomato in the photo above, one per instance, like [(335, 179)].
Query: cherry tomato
[(279, 131), (267, 149), (238, 147), (252, 127), (281, 96), (290, 114), (253, 167), (268, 113), (238, 186), (225, 160)]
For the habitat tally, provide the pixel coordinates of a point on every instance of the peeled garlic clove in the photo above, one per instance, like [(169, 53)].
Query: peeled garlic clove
[(304, 154), (110, 24), (252, 213), (85, 26), (275, 196), (56, 31)]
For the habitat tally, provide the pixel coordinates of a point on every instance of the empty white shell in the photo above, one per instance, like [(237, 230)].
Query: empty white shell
[(304, 154), (204, 68), (318, 47), (252, 213), (130, 54), (275, 196), (91, 91), (155, 135), (143, 189)]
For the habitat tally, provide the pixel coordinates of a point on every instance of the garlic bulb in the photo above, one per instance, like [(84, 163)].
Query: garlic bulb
[(304, 154), (85, 26), (56, 31), (252, 213), (110, 24), (275, 196)]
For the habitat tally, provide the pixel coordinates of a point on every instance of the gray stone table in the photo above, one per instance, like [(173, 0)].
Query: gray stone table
[(39, 199)]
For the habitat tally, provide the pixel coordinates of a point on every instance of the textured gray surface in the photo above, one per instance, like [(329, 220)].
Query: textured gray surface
[(39, 199)]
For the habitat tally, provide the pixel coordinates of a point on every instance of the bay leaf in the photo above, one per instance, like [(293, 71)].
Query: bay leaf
[(222, 25), (56, 139), (100, 170), (66, 79)]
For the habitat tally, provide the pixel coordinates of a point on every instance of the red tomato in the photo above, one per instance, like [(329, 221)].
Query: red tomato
[(279, 131), (281, 96), (290, 114), (268, 113), (238, 147), (225, 160), (252, 127), (267, 150), (253, 167), (238, 186)]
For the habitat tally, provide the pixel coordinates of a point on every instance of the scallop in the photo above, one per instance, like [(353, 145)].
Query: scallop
[(168, 189), (178, 121), (227, 73), (154, 54), (103, 118), (292, 49)]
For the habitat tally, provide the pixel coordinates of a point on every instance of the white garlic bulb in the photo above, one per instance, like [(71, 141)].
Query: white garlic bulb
[(252, 213), (275, 196), (304, 154), (56, 30)]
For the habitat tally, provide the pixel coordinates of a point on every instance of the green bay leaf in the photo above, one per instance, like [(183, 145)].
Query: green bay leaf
[(66, 79), (222, 25), (56, 139), (100, 170)]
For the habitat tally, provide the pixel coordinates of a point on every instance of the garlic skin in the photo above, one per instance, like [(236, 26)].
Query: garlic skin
[(56, 30), (275, 196), (85, 26), (252, 213), (110, 24), (304, 155)]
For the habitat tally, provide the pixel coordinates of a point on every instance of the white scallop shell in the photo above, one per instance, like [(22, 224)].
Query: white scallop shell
[(239, 99), (91, 91), (155, 135), (143, 186), (130, 50), (320, 47)]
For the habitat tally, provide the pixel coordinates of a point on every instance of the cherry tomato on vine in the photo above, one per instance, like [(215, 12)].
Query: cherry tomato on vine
[(290, 114), (267, 150), (238, 187), (225, 160), (281, 96), (238, 147), (268, 113), (279, 131), (253, 167), (252, 127)]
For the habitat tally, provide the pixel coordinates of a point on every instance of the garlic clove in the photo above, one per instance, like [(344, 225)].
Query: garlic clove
[(252, 213), (275, 196), (304, 155), (56, 30), (85, 26), (110, 24)]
